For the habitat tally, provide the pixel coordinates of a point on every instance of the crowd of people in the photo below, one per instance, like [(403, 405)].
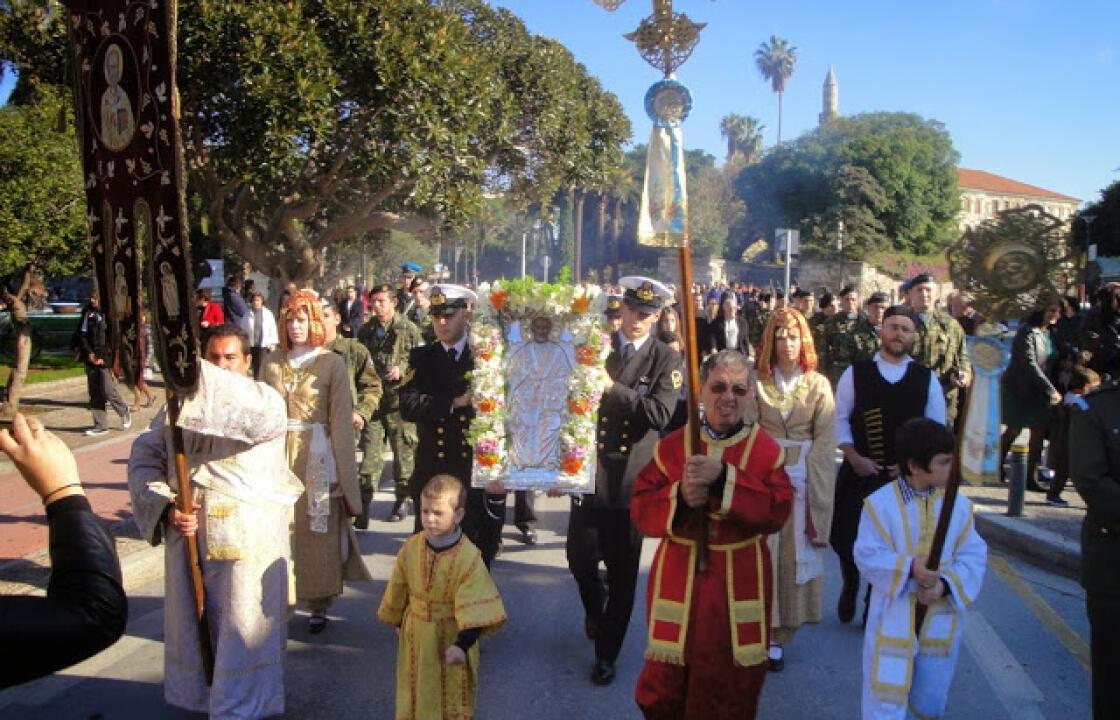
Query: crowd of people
[(283, 470)]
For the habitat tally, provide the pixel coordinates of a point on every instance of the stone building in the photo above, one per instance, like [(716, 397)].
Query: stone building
[(983, 194)]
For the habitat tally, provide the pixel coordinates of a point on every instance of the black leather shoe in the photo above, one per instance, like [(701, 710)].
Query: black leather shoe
[(399, 511), (591, 627), (603, 672), (846, 607), (529, 537)]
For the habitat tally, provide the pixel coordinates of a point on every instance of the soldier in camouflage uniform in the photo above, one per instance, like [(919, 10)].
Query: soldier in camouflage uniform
[(389, 337), (941, 344), (417, 313), (826, 310), (365, 390), (851, 335), (756, 321)]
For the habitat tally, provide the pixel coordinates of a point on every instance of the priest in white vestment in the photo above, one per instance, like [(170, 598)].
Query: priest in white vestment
[(234, 433)]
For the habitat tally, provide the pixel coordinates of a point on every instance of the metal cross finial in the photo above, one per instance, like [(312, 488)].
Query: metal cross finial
[(665, 39)]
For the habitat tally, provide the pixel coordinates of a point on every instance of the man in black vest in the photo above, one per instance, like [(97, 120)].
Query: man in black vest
[(435, 394), (873, 397), (638, 400)]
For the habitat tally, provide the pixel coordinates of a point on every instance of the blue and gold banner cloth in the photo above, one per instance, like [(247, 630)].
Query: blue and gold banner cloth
[(980, 452), (663, 217)]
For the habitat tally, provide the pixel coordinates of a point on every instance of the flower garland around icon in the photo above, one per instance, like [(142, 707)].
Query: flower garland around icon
[(577, 309)]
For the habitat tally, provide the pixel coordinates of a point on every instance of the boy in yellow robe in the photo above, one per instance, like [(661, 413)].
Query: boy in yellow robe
[(442, 599)]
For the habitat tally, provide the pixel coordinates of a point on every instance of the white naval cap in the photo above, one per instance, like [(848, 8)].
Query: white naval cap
[(645, 294), (446, 298)]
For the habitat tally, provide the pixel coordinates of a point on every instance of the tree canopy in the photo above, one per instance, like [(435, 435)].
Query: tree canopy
[(1104, 230), (42, 216), (776, 60), (888, 177), (312, 123)]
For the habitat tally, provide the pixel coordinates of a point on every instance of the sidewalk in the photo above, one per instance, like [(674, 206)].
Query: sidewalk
[(63, 408), (1044, 535)]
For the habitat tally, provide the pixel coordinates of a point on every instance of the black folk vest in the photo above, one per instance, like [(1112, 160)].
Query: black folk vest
[(880, 407)]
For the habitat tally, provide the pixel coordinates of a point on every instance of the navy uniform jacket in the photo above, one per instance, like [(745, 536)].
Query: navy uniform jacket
[(427, 389), (1094, 467), (631, 414)]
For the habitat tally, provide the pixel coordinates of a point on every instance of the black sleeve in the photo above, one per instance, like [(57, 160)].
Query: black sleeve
[(655, 407), (418, 405), (85, 609), (467, 638)]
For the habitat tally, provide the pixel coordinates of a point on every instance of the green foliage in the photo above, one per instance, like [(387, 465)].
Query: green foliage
[(744, 137), (1104, 230), (890, 177), (310, 123), (775, 60), (713, 207), (42, 215)]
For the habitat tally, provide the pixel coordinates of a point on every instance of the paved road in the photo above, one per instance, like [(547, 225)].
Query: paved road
[(1025, 655)]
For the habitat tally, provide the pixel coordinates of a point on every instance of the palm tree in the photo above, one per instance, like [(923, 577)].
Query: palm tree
[(775, 60), (744, 136)]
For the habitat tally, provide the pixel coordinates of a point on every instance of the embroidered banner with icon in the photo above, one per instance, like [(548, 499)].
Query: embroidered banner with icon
[(124, 61)]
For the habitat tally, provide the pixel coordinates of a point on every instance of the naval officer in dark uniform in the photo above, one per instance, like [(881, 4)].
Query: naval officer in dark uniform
[(1094, 465), (435, 394), (638, 401)]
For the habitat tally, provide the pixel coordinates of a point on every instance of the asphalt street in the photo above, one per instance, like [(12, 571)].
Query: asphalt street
[(1025, 654)]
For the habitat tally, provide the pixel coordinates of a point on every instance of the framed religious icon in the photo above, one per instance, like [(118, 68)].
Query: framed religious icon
[(539, 353)]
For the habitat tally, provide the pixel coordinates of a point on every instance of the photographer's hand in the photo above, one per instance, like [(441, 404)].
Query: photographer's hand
[(45, 462)]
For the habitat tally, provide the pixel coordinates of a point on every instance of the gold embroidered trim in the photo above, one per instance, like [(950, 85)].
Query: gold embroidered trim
[(784, 402)]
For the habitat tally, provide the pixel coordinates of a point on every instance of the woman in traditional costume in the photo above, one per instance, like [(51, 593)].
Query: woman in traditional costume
[(314, 384), (794, 404)]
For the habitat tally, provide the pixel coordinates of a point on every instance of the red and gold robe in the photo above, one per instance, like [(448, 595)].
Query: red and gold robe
[(708, 631)]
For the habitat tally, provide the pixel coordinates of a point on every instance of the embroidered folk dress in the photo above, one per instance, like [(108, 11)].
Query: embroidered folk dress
[(432, 596), (798, 413), (903, 677), (707, 632), (233, 435), (320, 449)]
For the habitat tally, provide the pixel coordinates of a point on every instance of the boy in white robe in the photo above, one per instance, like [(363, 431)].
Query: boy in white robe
[(905, 676), (234, 432)]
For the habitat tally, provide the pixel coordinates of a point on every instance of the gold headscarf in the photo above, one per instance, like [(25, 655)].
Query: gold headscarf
[(309, 302), (786, 318)]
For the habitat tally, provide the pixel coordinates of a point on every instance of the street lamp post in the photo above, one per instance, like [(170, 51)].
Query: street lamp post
[(1090, 255)]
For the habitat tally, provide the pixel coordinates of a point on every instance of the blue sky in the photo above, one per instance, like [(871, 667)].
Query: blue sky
[(1028, 89)]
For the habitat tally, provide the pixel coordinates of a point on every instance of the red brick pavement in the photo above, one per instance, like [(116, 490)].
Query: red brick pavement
[(102, 467)]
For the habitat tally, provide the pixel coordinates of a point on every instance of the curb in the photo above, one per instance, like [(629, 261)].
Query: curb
[(1040, 547)]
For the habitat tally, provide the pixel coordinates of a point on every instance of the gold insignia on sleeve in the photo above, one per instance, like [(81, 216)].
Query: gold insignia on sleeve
[(677, 379)]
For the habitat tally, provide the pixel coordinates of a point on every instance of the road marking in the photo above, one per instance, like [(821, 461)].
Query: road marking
[(1012, 686), (1053, 622)]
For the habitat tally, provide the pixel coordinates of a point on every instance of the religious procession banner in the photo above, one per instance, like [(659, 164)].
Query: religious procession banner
[(127, 110), (663, 215), (980, 451), (539, 356)]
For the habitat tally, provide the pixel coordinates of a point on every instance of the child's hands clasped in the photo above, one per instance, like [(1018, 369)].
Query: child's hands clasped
[(454, 655), (929, 582)]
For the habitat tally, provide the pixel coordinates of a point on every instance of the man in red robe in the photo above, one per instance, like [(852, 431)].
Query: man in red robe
[(708, 630)]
